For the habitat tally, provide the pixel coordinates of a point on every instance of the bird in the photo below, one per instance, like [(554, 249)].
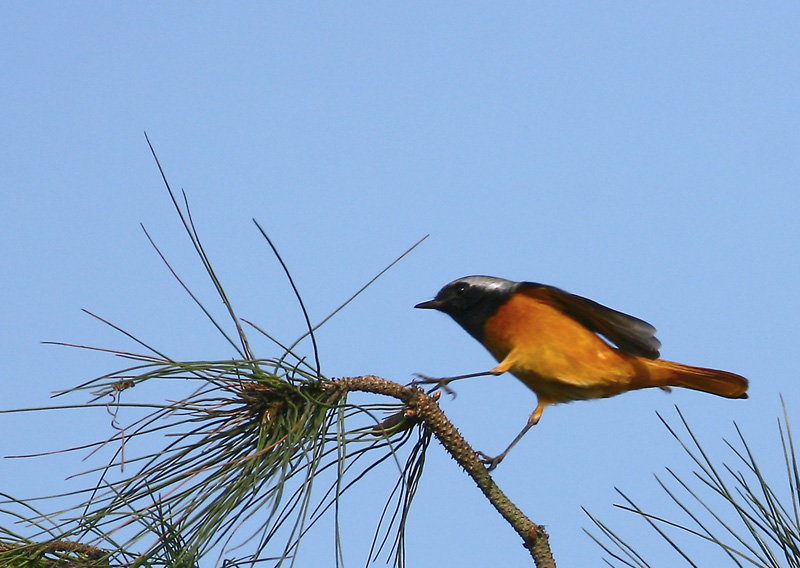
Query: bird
[(551, 341)]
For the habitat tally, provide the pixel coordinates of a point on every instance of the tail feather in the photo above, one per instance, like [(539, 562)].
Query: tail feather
[(720, 383)]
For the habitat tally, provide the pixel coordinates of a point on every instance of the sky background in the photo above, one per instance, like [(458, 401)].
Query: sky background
[(642, 155)]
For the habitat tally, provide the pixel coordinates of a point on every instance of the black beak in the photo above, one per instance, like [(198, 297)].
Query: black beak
[(429, 305)]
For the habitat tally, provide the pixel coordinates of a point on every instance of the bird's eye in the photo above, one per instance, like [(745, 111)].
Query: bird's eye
[(461, 289)]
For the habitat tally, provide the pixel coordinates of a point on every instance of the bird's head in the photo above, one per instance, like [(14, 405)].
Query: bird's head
[(472, 300)]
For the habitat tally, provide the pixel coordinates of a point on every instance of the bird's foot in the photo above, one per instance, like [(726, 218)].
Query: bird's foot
[(439, 384), (490, 462)]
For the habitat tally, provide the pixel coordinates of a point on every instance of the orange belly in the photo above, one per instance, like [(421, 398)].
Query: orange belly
[(557, 357)]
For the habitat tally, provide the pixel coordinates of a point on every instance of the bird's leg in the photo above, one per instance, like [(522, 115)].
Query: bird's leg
[(493, 462), (442, 383)]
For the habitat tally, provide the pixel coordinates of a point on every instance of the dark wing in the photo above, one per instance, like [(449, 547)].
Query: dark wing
[(630, 334)]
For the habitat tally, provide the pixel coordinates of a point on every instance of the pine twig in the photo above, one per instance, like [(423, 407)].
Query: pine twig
[(424, 408)]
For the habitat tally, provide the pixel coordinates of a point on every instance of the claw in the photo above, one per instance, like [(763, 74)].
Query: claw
[(490, 462), (439, 384)]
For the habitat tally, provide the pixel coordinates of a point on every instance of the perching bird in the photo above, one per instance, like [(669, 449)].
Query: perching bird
[(548, 339)]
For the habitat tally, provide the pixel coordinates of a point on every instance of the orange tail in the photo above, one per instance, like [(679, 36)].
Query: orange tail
[(721, 383)]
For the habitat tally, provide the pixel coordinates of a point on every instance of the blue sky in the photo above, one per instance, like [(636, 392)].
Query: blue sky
[(645, 156)]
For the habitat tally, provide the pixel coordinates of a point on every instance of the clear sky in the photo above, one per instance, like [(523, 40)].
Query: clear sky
[(645, 155)]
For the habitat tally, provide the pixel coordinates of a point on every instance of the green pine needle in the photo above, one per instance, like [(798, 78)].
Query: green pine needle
[(754, 520)]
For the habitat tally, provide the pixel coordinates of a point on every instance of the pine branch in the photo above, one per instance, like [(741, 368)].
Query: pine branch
[(424, 408)]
